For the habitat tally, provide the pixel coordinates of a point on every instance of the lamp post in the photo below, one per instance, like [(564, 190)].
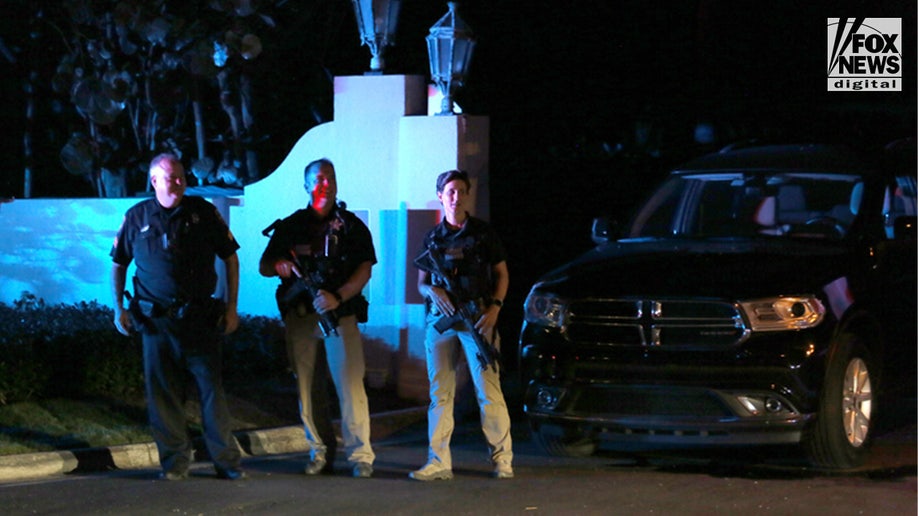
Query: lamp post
[(376, 21), (449, 47)]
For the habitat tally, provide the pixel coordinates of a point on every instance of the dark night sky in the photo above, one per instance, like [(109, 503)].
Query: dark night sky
[(563, 80), (568, 76), (583, 72)]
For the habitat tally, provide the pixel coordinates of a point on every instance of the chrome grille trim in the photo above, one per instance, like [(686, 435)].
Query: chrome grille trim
[(678, 323)]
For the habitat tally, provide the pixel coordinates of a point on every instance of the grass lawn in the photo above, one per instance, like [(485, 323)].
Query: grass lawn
[(56, 424), (61, 424)]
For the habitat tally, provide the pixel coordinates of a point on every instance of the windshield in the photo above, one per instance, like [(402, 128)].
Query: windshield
[(741, 204)]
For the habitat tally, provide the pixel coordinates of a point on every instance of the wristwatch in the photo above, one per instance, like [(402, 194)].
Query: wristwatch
[(497, 302)]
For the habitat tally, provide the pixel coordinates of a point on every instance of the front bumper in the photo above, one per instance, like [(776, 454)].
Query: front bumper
[(667, 415), (763, 391)]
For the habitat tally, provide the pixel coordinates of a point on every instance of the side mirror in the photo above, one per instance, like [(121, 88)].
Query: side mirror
[(906, 228), (603, 230)]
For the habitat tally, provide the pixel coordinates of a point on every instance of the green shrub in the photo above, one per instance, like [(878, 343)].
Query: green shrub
[(74, 351), (255, 352), (23, 375), (114, 367)]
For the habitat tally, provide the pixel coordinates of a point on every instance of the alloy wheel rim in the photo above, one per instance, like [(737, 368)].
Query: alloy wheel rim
[(857, 399)]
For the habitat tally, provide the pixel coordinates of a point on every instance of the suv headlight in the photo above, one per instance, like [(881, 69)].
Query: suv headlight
[(545, 309), (783, 313)]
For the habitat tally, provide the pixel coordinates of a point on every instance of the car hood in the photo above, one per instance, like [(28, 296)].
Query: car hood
[(720, 268)]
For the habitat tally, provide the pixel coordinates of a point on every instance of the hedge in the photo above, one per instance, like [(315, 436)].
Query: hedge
[(74, 351)]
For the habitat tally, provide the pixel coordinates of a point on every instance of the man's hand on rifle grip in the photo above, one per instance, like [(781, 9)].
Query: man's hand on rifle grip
[(285, 268), (441, 300), (325, 302)]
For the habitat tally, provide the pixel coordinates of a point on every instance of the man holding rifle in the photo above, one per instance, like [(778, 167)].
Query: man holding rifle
[(323, 254), (463, 277)]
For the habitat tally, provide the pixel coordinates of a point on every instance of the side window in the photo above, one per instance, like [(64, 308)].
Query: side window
[(899, 202)]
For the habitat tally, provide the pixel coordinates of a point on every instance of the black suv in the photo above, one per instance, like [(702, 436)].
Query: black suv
[(762, 295)]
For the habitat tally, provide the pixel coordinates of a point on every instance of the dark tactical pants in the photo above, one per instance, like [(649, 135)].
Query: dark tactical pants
[(171, 352)]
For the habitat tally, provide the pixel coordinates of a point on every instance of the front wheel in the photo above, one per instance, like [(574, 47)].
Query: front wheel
[(843, 428)]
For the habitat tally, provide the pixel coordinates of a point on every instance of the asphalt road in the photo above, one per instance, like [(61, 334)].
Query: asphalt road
[(746, 481)]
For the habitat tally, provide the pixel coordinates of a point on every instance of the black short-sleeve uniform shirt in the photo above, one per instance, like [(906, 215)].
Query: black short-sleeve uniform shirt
[(174, 249), (469, 254)]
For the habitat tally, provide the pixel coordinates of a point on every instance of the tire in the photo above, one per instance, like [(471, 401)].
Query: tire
[(842, 432), (561, 441)]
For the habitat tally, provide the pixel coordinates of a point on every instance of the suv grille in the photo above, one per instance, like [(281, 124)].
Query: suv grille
[(686, 324)]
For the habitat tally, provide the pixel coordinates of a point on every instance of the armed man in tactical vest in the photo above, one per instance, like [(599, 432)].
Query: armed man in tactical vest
[(323, 255), (463, 277)]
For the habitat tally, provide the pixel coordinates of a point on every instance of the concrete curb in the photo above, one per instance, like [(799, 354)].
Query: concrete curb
[(288, 439)]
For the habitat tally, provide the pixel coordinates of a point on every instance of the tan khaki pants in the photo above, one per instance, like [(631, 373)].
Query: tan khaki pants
[(442, 359), (347, 367)]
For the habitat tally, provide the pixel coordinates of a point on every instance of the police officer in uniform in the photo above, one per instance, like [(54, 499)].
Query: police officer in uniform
[(473, 252), (336, 246), (173, 240)]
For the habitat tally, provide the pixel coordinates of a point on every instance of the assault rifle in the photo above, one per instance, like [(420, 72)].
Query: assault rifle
[(466, 310), (307, 281)]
